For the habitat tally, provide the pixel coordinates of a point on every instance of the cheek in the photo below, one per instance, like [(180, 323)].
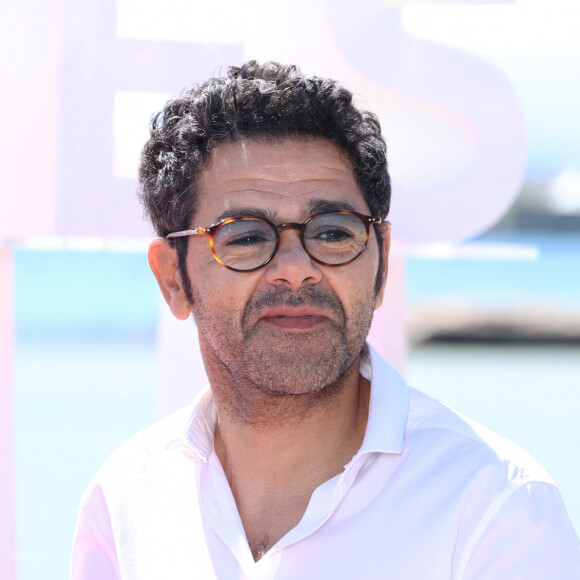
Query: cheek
[(360, 302), (222, 293), (361, 281), (355, 290)]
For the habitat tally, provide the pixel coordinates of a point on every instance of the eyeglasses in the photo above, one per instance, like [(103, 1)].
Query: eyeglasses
[(245, 243)]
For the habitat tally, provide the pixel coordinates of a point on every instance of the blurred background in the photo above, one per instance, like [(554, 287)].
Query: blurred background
[(479, 101)]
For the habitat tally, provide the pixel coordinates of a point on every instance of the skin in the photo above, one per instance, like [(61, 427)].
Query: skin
[(281, 345)]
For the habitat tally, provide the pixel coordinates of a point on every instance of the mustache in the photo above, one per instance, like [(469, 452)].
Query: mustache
[(322, 298)]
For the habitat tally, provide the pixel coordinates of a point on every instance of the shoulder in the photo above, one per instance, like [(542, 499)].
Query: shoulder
[(513, 521), (436, 437), (141, 460), (447, 456), (438, 428), (152, 441), (143, 483), (510, 521), (136, 471)]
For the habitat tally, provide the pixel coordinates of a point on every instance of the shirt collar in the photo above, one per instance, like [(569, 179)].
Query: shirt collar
[(197, 438), (388, 410), (388, 406)]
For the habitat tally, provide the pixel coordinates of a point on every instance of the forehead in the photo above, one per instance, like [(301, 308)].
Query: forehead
[(284, 179)]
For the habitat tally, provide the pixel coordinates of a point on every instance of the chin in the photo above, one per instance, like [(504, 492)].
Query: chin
[(297, 367)]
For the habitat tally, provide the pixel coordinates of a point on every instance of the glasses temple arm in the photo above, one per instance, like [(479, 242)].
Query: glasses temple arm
[(184, 233)]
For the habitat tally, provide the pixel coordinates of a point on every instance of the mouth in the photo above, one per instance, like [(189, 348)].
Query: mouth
[(296, 319)]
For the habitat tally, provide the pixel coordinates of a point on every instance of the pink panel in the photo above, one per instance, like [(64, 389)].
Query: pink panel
[(179, 356), (30, 45), (389, 329), (7, 512)]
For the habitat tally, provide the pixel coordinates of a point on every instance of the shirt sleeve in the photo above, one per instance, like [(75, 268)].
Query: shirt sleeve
[(525, 535), (94, 556)]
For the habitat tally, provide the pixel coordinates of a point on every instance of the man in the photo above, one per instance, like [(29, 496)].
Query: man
[(308, 456)]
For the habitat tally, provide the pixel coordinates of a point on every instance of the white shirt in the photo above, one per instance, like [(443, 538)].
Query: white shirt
[(430, 495)]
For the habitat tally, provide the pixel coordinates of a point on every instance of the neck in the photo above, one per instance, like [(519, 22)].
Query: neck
[(276, 450), (297, 429)]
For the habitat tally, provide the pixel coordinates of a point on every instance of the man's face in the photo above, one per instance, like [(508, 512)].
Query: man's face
[(294, 326)]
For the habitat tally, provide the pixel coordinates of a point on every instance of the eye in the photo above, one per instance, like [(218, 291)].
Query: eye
[(244, 235), (331, 234), (247, 239)]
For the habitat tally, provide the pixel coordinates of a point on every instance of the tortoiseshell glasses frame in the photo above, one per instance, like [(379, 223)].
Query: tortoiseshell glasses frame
[(247, 243)]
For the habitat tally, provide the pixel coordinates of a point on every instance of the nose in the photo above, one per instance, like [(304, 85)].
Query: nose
[(292, 266)]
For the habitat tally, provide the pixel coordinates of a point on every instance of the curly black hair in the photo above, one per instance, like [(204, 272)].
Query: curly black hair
[(265, 102)]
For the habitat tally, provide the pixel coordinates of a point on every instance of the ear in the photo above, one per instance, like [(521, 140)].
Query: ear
[(163, 263), (385, 229)]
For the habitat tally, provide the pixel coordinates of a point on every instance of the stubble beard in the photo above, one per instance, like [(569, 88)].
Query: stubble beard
[(307, 363), (280, 363)]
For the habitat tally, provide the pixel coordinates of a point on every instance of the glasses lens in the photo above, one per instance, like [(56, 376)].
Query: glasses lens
[(244, 244), (335, 238)]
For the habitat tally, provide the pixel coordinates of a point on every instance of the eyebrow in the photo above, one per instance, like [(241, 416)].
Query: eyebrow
[(320, 205), (255, 212), (314, 206)]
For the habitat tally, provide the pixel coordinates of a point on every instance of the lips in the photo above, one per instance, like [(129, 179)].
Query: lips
[(289, 318), (288, 310)]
